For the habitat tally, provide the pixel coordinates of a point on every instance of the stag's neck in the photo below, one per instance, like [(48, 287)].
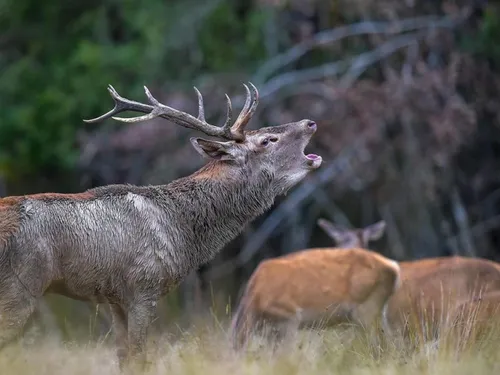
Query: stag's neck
[(211, 207)]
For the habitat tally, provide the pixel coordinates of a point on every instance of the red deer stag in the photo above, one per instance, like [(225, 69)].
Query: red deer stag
[(322, 285), (129, 245)]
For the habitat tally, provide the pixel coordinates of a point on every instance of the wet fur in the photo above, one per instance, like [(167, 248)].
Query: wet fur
[(129, 245)]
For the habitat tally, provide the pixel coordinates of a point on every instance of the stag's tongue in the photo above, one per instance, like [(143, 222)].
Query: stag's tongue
[(312, 156)]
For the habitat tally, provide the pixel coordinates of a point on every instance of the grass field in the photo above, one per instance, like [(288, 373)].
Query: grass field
[(204, 349)]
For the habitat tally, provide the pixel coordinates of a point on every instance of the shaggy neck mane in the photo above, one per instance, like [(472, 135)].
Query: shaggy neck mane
[(218, 200), (215, 203)]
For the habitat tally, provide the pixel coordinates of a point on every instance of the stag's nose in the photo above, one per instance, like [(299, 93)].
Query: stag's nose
[(310, 125)]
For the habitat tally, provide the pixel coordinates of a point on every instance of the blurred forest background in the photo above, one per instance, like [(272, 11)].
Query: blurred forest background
[(405, 92)]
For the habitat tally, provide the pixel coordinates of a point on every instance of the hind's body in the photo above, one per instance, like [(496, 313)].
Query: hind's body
[(322, 287)]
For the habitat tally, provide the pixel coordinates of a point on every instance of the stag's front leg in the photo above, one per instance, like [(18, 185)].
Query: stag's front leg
[(140, 316), (121, 333)]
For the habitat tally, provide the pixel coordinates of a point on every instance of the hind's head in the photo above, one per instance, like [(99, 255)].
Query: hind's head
[(348, 238)]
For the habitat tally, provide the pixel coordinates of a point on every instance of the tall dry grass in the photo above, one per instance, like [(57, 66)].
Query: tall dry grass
[(204, 348)]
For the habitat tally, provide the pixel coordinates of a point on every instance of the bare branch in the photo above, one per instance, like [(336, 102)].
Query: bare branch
[(333, 35), (359, 63)]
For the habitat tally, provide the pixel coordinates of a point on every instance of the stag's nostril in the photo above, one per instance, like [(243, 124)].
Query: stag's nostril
[(311, 124)]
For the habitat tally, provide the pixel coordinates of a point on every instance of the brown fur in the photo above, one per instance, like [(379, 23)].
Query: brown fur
[(212, 171), (477, 318), (431, 288), (318, 286), (46, 197), (10, 219)]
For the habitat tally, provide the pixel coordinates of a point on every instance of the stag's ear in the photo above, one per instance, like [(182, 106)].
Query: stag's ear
[(375, 231), (214, 149)]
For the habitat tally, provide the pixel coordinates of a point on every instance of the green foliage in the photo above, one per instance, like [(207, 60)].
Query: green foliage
[(484, 43), (230, 41), (57, 58)]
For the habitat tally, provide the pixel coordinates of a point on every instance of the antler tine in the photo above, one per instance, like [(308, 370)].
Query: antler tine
[(255, 103), (245, 108), (226, 128), (201, 106), (229, 115), (157, 109), (121, 105), (247, 112)]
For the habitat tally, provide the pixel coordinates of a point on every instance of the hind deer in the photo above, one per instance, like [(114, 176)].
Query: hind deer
[(130, 245), (322, 285), (477, 318), (357, 237), (430, 288)]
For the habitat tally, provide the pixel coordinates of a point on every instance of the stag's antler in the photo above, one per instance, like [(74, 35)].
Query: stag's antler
[(156, 109)]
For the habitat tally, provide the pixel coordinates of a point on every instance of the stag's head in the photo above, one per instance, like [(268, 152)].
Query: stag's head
[(276, 152), (348, 238)]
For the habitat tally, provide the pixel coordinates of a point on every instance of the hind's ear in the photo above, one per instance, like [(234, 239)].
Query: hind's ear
[(375, 231), (336, 232)]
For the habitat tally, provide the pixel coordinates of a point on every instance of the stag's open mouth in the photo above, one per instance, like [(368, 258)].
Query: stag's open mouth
[(313, 160)]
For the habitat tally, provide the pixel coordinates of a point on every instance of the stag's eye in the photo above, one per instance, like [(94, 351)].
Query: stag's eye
[(266, 141)]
